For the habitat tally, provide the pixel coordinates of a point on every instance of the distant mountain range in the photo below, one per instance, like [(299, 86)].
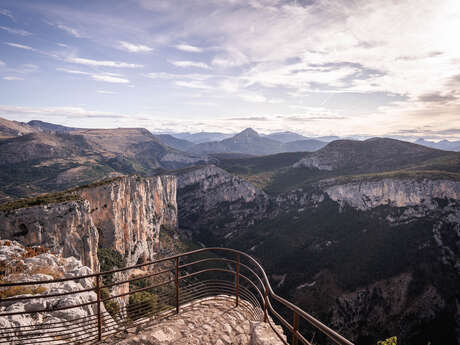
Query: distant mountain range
[(247, 142), (441, 145)]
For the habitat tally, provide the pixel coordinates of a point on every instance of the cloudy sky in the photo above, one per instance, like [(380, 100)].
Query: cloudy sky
[(317, 67)]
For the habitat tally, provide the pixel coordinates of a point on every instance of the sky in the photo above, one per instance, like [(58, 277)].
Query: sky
[(315, 67)]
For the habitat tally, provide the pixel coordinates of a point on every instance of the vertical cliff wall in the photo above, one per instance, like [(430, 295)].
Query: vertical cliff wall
[(125, 214), (129, 213), (217, 204), (67, 228)]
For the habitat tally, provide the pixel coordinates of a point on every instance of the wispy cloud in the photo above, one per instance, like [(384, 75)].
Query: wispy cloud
[(2, 63), (105, 92), (186, 64), (16, 31), (303, 118), (188, 48), (102, 63), (66, 28), (171, 76), (109, 79), (134, 48), (106, 77), (69, 30), (12, 78), (7, 13), (193, 84), (20, 46), (250, 118), (437, 97), (71, 112), (72, 71)]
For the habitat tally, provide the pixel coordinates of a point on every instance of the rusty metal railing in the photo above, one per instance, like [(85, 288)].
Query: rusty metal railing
[(146, 291)]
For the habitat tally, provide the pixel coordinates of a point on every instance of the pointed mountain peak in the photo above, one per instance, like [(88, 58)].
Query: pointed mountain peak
[(248, 132)]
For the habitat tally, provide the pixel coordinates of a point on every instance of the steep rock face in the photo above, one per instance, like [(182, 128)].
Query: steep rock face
[(67, 228), (211, 199), (125, 214), (394, 192), (386, 304), (130, 211), (218, 185)]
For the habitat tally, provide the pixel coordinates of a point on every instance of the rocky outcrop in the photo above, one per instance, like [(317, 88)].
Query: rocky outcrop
[(218, 186), (212, 199), (314, 162), (124, 214), (365, 195), (20, 265), (66, 228)]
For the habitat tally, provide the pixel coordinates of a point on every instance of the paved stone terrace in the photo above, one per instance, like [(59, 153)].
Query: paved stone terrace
[(212, 320)]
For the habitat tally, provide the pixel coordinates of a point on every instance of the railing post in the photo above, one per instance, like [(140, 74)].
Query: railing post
[(295, 334), (237, 279), (99, 318), (265, 303), (177, 285)]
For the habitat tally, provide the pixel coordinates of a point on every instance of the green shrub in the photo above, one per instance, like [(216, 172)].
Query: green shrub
[(112, 306), (389, 341), (141, 304), (109, 259)]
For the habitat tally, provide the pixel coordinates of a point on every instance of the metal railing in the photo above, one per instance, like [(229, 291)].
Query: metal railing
[(146, 291)]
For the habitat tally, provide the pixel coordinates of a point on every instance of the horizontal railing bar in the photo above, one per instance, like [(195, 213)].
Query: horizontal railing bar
[(48, 310), (62, 326), (216, 288), (137, 278), (10, 299), (40, 282), (87, 330), (52, 323), (138, 290), (205, 260), (206, 270), (246, 292)]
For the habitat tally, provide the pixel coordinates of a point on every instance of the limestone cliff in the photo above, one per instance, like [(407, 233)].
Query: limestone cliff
[(129, 213), (215, 201), (124, 214), (365, 195), (66, 228)]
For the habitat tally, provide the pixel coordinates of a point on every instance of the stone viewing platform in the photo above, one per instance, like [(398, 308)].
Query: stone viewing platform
[(212, 320), (182, 299)]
